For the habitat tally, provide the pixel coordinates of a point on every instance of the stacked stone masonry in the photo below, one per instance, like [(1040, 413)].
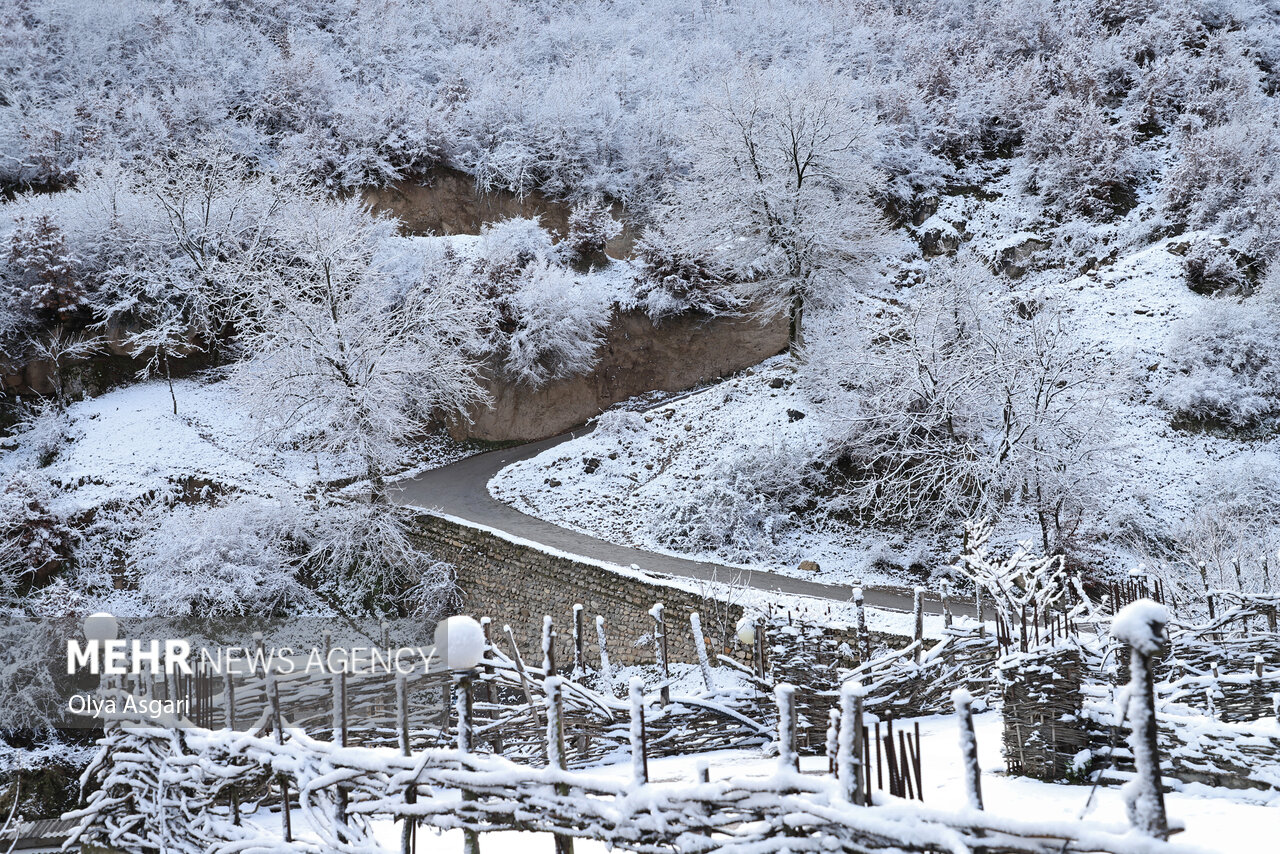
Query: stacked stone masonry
[(516, 585)]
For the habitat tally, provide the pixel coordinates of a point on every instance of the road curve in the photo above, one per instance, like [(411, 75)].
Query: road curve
[(461, 489)]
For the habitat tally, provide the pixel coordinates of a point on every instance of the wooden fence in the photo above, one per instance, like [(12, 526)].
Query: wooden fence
[(188, 791)]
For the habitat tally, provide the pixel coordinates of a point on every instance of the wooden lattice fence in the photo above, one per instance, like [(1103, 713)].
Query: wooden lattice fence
[(1043, 730), (185, 791)]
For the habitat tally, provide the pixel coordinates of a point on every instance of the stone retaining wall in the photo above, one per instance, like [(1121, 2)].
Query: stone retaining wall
[(517, 585)]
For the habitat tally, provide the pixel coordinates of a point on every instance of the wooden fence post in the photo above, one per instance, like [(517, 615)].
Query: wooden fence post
[(850, 767), (700, 644), (917, 606), (639, 757), (963, 701), (943, 591), (548, 648), (340, 738), (229, 701), (606, 669), (788, 758), (555, 747), (402, 728), (277, 725), (760, 647), (660, 649), (579, 664), (864, 638), (465, 678), (1141, 625), (833, 739)]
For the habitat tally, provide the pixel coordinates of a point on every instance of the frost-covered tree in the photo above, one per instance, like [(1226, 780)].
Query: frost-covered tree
[(591, 226), (1226, 177), (179, 240), (43, 274), (339, 355), (342, 357), (964, 404), (35, 541), (551, 324), (779, 190), (217, 563)]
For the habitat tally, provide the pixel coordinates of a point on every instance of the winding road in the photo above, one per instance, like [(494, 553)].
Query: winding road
[(461, 489)]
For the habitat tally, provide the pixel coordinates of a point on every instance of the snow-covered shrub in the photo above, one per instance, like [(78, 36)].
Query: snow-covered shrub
[(217, 563), (45, 431), (362, 554), (740, 508), (1212, 268), (44, 275), (510, 245), (35, 541), (33, 687), (1085, 160), (556, 321), (1227, 178), (619, 424), (675, 278), (591, 226), (1226, 361)]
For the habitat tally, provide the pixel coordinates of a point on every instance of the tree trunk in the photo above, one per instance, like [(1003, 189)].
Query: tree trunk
[(164, 362), (795, 333)]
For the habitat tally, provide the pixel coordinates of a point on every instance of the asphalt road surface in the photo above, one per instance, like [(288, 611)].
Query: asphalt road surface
[(461, 489)]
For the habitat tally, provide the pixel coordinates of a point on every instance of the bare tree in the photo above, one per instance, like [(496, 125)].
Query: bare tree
[(59, 346), (778, 192), (342, 358), (1015, 583), (965, 404)]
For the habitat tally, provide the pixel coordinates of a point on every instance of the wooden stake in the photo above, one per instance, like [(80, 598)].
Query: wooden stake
[(849, 750), (524, 676), (402, 728), (700, 645), (660, 649), (277, 725), (606, 669), (555, 748), (918, 608), (579, 662), (788, 758)]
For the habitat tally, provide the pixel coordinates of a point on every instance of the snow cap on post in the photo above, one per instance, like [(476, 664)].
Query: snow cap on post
[(961, 699), (460, 642), (1141, 624)]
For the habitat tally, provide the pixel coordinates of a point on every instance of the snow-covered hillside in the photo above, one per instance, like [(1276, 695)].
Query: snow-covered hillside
[(719, 474)]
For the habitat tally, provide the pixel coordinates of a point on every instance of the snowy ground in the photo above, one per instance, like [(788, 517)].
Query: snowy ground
[(644, 461), (1215, 820), (128, 444)]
